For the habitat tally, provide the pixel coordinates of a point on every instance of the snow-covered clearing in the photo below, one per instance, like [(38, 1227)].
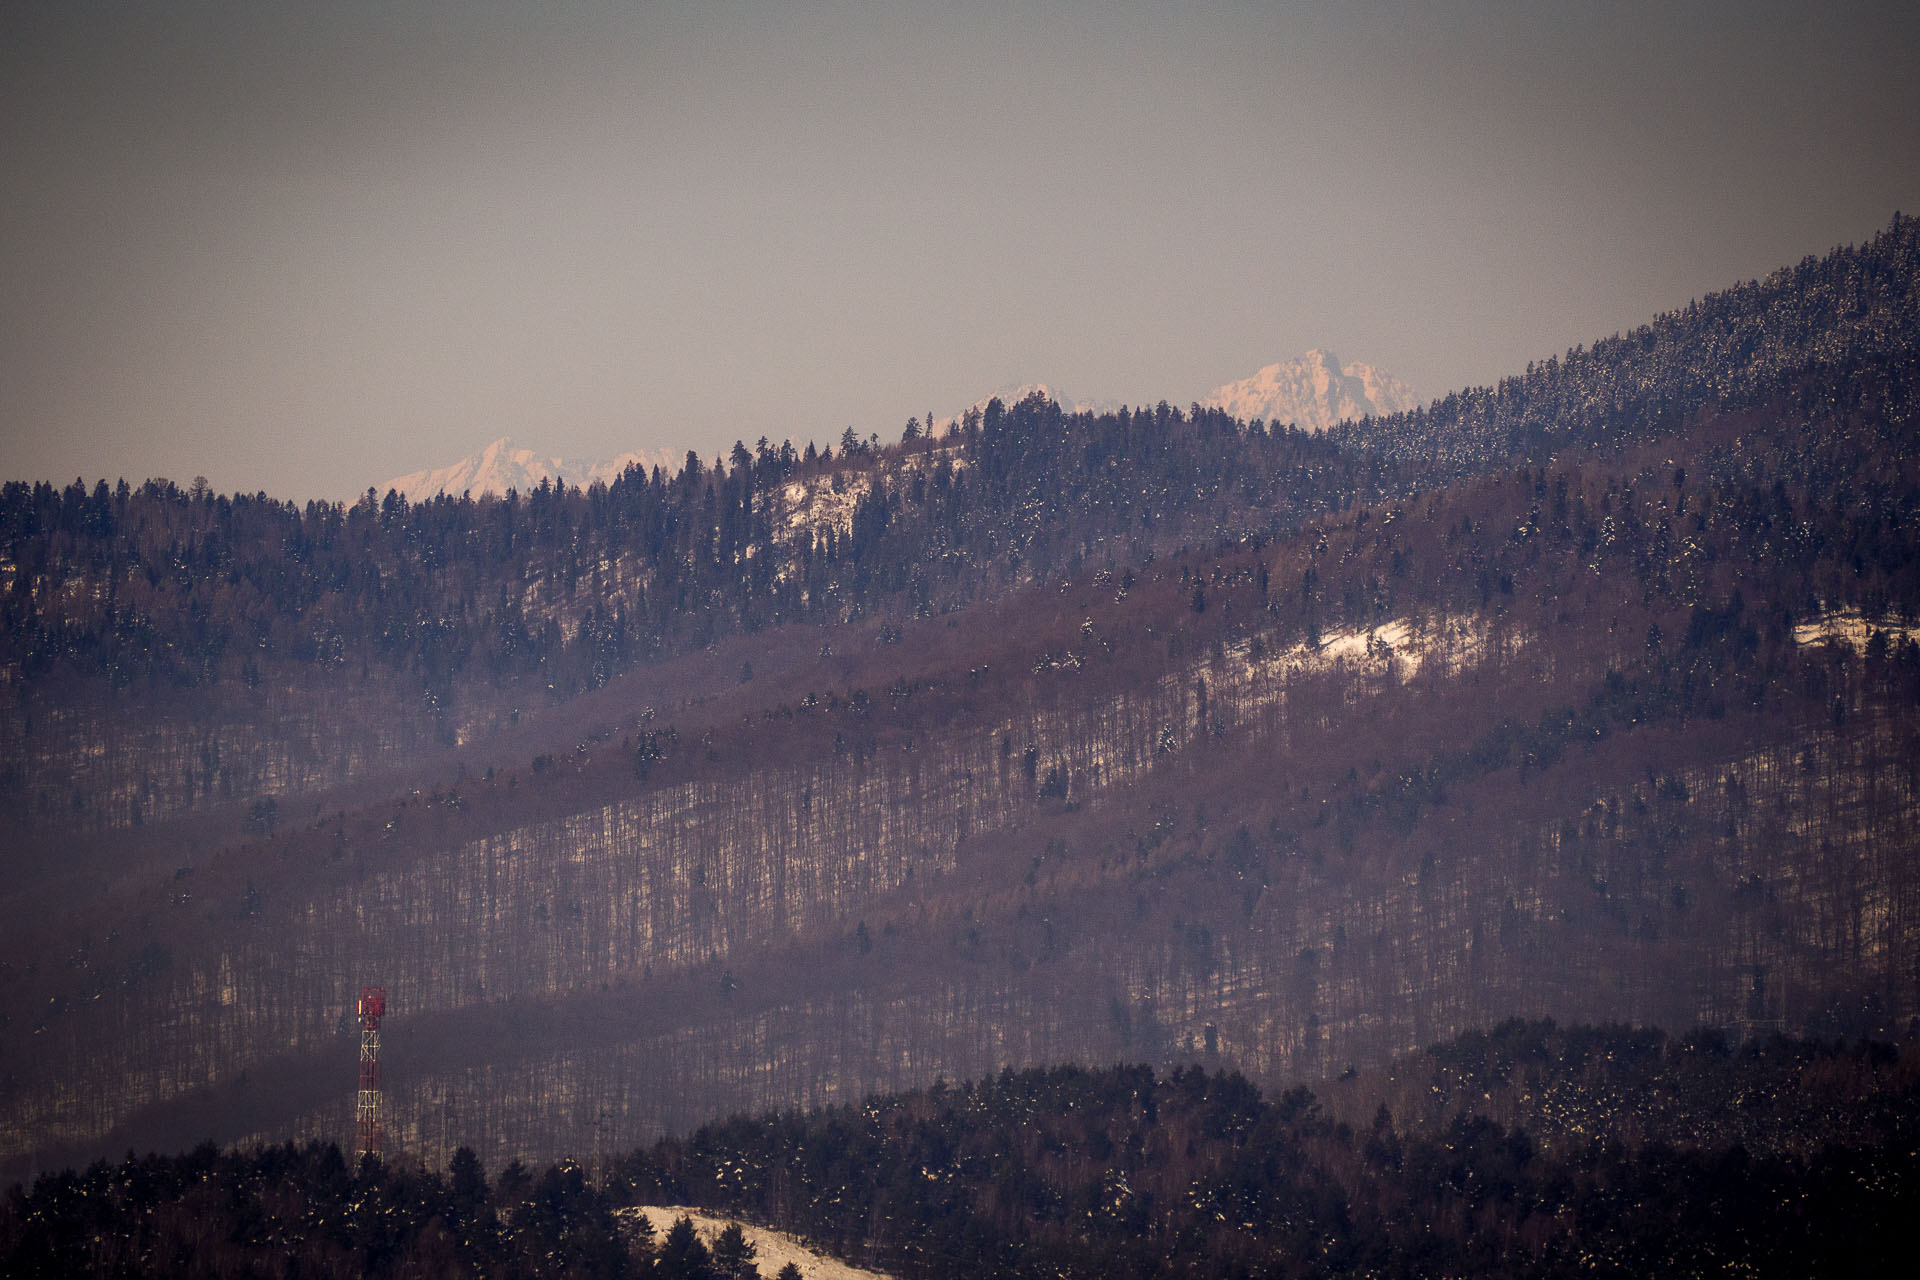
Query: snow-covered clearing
[(1405, 644), (1848, 627), (773, 1249)]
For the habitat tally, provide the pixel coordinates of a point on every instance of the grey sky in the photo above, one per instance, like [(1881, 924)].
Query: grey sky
[(305, 247)]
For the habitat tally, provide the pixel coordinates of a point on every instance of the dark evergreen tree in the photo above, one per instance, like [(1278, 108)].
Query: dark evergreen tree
[(683, 1254), (733, 1255)]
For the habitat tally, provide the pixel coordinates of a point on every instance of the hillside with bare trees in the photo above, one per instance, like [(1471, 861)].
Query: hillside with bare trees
[(1148, 737)]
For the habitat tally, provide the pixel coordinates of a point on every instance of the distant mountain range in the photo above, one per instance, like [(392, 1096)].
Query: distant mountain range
[(504, 465), (1313, 392)]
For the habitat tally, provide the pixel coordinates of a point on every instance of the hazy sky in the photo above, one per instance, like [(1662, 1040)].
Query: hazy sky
[(308, 246)]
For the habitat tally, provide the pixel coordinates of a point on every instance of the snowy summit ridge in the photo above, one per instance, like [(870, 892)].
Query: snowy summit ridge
[(1313, 393), (503, 465)]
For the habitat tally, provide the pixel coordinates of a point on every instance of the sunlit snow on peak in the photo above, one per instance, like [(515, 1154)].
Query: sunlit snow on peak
[(505, 465), (1313, 392)]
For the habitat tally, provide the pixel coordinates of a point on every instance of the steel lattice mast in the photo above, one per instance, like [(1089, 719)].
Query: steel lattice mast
[(372, 1007)]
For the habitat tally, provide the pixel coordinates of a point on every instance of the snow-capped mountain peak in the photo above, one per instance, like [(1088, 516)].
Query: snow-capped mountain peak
[(1313, 392), (504, 465)]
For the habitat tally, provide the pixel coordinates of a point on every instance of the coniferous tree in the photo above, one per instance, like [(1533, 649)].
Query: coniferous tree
[(683, 1254), (733, 1255)]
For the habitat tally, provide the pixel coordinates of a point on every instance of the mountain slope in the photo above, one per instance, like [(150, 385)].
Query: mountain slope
[(1138, 736), (1826, 331)]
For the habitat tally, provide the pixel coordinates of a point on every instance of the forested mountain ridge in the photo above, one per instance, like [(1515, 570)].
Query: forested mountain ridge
[(157, 584), (1811, 329), (1145, 736), (160, 584), (458, 610)]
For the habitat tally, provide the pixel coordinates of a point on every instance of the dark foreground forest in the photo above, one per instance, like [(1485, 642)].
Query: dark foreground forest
[(1532, 1150)]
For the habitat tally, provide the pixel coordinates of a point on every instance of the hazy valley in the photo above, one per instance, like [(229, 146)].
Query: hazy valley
[(1149, 736)]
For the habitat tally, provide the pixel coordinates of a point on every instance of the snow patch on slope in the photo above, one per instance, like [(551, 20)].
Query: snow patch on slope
[(1848, 627), (1247, 686), (1401, 647), (825, 502)]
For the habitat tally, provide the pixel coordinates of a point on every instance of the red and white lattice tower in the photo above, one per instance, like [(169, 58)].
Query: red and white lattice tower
[(372, 1007)]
